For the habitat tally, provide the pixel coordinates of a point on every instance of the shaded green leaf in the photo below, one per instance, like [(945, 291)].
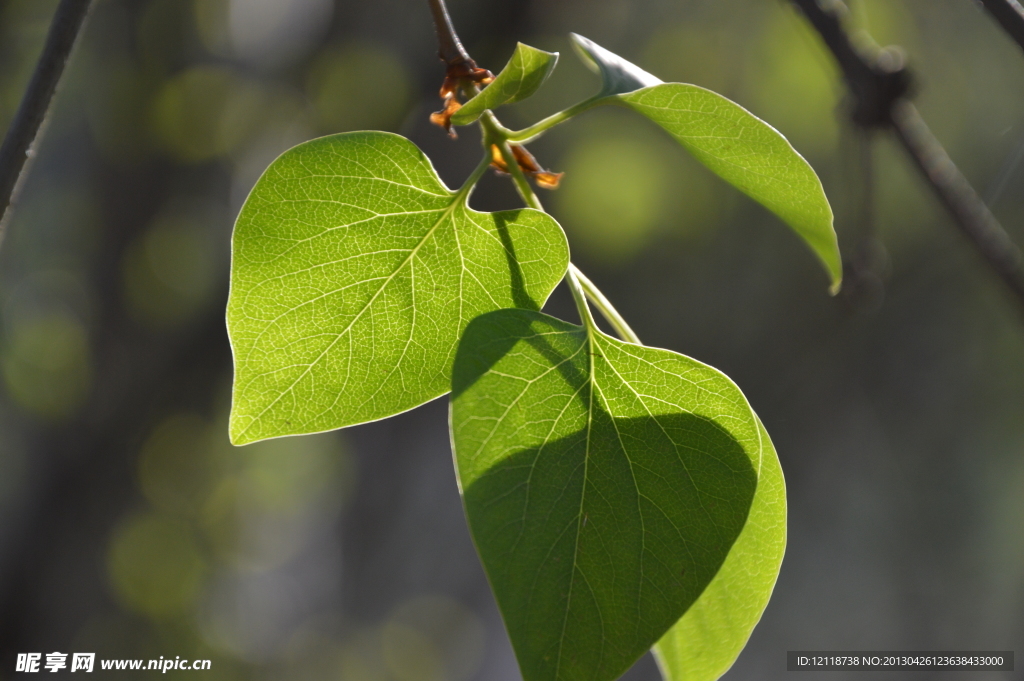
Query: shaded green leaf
[(617, 75), (707, 640), (525, 72), (604, 483), (354, 271)]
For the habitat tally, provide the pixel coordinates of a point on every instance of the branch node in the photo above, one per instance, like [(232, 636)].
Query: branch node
[(460, 69), (880, 84)]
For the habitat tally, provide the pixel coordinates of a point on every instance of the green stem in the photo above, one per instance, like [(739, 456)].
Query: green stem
[(578, 295), (604, 305), (499, 130), (522, 184), (582, 288), (467, 187), (540, 127), (493, 135)]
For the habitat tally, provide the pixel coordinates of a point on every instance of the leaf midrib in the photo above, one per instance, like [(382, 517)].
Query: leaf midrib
[(583, 495), (592, 343), (457, 200)]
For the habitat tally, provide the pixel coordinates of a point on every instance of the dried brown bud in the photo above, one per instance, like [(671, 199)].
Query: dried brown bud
[(457, 73), (443, 118), (497, 160), (547, 179), (527, 163)]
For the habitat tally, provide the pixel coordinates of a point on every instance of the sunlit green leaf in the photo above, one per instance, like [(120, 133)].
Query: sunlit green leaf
[(525, 72), (354, 272), (749, 154), (617, 75), (733, 143), (604, 483), (709, 637)]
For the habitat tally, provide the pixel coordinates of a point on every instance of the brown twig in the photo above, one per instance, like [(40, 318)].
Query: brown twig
[(460, 67), (1010, 16), (450, 48), (462, 73), (24, 131), (879, 86)]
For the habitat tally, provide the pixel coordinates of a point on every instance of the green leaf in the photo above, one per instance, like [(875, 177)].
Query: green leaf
[(354, 272), (732, 142), (617, 75), (749, 154), (525, 72), (604, 483), (707, 640)]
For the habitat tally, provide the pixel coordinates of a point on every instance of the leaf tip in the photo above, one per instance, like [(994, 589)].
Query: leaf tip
[(529, 48), (582, 45), (238, 433), (618, 75), (238, 440), (833, 262)]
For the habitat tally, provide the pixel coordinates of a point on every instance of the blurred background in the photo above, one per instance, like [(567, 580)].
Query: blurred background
[(130, 527)]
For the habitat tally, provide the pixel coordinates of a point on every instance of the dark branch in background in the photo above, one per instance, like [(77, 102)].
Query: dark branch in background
[(879, 86), (875, 84), (958, 196), (67, 24), (1010, 16)]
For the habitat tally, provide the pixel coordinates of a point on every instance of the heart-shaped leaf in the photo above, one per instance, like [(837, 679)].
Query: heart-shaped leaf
[(354, 272), (733, 143), (525, 72), (604, 483), (707, 640)]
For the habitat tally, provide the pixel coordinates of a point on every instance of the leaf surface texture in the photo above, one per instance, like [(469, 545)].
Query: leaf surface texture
[(525, 72), (705, 643), (604, 483), (749, 154), (354, 271), (733, 143)]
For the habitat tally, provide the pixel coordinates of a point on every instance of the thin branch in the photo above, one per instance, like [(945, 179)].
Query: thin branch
[(580, 298), (1010, 16), (450, 48), (24, 130), (519, 177), (460, 69), (956, 193), (879, 86)]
